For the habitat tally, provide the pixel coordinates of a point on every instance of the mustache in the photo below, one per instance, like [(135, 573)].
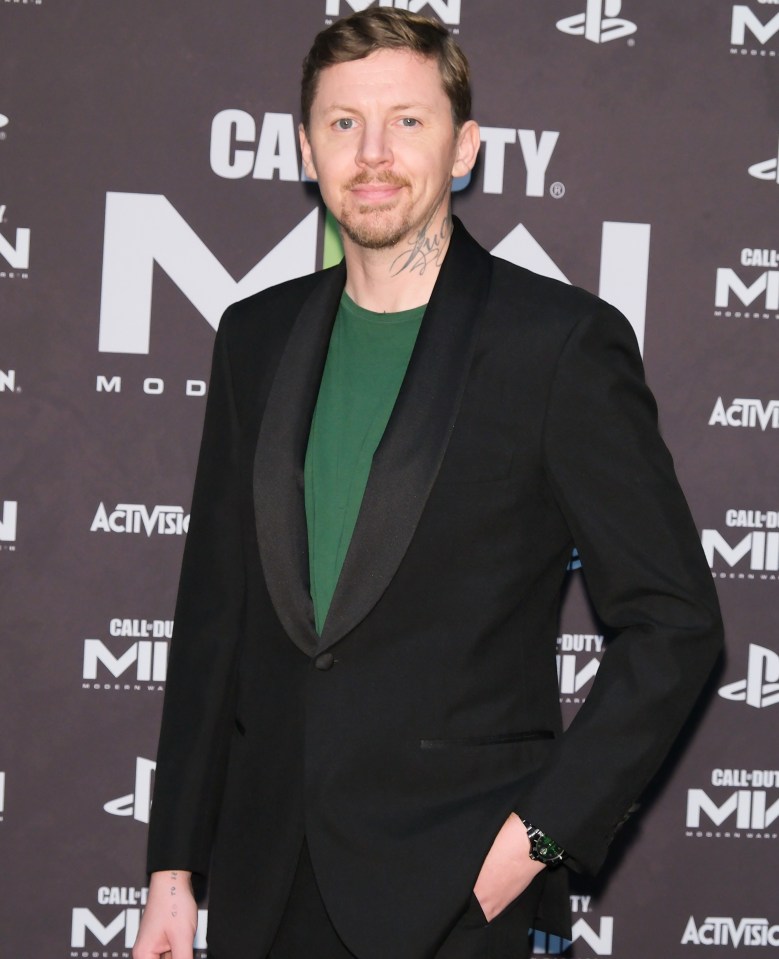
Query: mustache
[(383, 177)]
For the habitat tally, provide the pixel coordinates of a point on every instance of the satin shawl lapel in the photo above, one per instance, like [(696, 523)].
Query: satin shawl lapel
[(278, 466), (409, 455)]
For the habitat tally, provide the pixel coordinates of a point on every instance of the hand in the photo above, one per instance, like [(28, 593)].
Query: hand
[(508, 869), (169, 920)]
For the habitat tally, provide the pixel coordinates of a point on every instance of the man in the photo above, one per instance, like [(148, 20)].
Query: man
[(361, 740)]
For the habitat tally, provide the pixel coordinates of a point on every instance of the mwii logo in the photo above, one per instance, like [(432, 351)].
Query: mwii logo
[(747, 810), (767, 169), (8, 524), (578, 659), (599, 939), (746, 21), (143, 229), (137, 803), (757, 552), (733, 293), (624, 265), (761, 686), (16, 252), (90, 929), (599, 23), (447, 10)]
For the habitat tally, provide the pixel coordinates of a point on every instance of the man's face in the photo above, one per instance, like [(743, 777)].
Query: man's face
[(382, 145)]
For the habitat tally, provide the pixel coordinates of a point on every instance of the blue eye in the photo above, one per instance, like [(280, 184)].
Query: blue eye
[(345, 123), (409, 122)]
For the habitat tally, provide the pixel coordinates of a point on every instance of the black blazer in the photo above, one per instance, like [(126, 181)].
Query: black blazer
[(428, 709)]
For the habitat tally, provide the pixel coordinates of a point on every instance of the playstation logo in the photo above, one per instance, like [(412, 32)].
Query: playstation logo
[(599, 23), (761, 687), (138, 803), (767, 169)]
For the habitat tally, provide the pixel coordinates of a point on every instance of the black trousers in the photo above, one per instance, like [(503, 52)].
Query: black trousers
[(306, 932)]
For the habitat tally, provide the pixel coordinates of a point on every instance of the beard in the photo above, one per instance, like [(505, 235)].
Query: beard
[(371, 227)]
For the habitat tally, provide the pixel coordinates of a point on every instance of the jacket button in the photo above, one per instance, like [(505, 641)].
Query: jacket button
[(324, 661)]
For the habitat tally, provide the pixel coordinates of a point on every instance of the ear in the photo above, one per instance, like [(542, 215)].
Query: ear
[(466, 148), (305, 150)]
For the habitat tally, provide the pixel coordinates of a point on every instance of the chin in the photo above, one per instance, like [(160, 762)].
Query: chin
[(366, 232)]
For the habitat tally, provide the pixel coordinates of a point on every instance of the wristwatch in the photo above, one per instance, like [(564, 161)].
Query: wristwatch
[(542, 847)]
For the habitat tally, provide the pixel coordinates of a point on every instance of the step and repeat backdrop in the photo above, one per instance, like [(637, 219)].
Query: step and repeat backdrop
[(149, 176)]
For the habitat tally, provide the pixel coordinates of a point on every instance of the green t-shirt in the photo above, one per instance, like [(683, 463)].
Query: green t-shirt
[(365, 366)]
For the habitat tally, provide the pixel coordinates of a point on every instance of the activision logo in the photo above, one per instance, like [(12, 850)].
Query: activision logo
[(8, 525), (767, 169), (761, 686), (136, 518), (726, 931), (599, 23), (745, 19), (138, 803), (448, 11), (571, 674), (748, 413), (599, 940), (757, 551), (747, 806), (118, 932), (16, 254)]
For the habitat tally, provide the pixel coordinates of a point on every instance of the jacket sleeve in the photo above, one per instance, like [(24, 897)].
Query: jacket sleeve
[(199, 697), (613, 479)]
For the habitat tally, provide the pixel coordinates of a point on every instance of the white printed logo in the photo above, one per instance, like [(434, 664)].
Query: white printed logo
[(124, 924), (2, 796), (138, 803), (16, 252), (746, 810), (574, 671), (234, 154), (762, 294), (726, 931), (143, 229), (599, 23), (8, 522), (624, 265), (746, 413), (536, 152), (4, 121), (758, 550), (745, 19), (447, 10), (136, 518), (767, 169), (761, 686), (600, 940)]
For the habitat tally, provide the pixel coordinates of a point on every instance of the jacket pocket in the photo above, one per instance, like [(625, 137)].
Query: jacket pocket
[(530, 735)]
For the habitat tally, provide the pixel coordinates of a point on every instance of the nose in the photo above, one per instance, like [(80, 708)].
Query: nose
[(374, 148)]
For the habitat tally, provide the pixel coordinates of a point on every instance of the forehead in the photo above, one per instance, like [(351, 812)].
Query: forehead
[(386, 77)]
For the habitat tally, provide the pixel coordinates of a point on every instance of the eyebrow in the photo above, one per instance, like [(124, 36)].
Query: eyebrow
[(343, 108)]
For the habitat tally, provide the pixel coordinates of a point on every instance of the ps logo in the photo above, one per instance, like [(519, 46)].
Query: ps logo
[(761, 687), (599, 23), (767, 169)]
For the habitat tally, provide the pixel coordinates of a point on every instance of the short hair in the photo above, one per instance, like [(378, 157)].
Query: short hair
[(378, 28)]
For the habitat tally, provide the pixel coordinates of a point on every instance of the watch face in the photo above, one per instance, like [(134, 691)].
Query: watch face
[(546, 849)]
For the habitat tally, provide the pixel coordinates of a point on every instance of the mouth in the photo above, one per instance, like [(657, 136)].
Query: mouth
[(372, 194)]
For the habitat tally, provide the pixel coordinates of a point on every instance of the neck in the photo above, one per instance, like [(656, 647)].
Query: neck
[(402, 277)]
